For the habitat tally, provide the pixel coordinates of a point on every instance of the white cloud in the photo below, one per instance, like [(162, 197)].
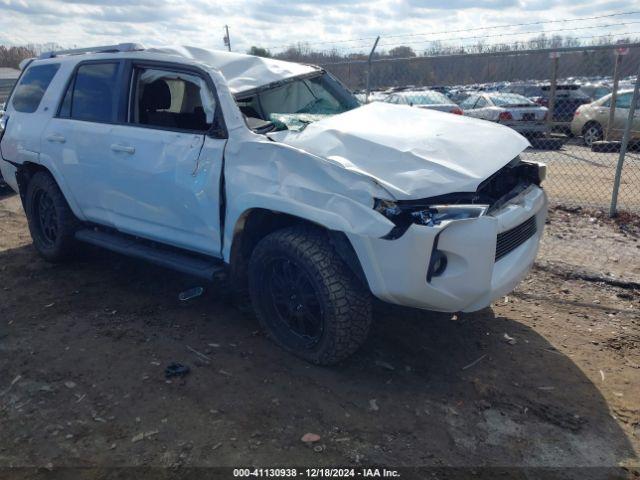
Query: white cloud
[(278, 23)]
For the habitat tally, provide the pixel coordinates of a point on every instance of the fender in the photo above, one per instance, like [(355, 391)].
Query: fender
[(46, 162), (261, 173), (341, 214)]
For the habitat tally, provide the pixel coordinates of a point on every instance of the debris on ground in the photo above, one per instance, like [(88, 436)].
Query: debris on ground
[(200, 354), (310, 438), (175, 369), (142, 435), (466, 367), (373, 405), (190, 294), (509, 339), (384, 364)]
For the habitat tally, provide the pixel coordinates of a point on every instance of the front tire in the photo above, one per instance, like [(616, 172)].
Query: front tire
[(306, 298), (51, 221)]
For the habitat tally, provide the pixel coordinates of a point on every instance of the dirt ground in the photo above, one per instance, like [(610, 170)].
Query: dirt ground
[(547, 377)]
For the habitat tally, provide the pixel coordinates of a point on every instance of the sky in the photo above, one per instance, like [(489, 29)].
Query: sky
[(322, 24)]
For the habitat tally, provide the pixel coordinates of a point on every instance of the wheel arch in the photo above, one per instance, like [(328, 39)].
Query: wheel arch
[(25, 172), (256, 223)]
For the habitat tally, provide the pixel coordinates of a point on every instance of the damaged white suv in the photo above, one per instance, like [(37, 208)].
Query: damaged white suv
[(205, 161)]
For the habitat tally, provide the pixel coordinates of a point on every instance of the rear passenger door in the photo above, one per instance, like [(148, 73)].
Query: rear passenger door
[(76, 139), (165, 160)]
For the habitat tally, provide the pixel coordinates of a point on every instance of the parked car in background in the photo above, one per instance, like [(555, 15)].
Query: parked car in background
[(590, 121), (567, 99), (595, 91), (510, 109), (429, 99)]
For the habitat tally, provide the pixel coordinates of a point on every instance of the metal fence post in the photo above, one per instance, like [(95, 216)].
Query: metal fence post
[(375, 44), (623, 147), (614, 94), (552, 91)]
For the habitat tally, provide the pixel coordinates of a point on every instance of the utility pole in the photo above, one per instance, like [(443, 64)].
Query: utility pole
[(227, 38)]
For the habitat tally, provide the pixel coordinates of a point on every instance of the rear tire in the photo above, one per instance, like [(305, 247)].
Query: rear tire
[(51, 222), (592, 132), (306, 298)]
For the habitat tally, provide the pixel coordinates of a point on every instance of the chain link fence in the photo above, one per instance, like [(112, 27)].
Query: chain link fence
[(574, 104)]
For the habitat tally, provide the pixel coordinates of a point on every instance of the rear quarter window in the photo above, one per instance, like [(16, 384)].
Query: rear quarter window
[(32, 86)]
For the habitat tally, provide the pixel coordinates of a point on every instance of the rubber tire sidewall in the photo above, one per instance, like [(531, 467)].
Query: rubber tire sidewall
[(587, 128), (63, 247), (345, 302)]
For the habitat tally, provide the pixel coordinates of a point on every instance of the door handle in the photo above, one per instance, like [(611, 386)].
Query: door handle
[(122, 148), (56, 137)]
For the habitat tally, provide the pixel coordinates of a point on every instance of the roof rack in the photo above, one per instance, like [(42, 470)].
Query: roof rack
[(121, 47)]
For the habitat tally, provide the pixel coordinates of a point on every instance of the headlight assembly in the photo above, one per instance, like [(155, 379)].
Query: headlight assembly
[(403, 215), (437, 214)]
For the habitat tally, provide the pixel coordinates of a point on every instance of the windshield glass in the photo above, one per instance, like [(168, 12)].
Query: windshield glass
[(511, 100), (297, 103), (427, 97)]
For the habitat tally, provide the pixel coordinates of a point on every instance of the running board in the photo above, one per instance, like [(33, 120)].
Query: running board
[(184, 262)]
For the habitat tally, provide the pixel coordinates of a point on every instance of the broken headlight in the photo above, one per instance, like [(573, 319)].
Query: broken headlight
[(404, 215), (437, 214)]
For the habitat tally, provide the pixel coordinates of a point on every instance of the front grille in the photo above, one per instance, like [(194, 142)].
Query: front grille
[(512, 239)]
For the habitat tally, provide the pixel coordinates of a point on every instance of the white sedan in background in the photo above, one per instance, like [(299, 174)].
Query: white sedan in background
[(510, 109), (429, 99)]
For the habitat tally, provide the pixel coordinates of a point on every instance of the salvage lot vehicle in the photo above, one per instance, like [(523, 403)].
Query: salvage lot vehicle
[(568, 98), (184, 157), (510, 109), (425, 99), (591, 120)]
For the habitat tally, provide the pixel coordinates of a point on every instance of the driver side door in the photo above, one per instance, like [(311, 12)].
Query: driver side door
[(166, 159)]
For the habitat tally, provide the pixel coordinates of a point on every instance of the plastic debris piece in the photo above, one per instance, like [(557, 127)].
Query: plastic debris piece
[(310, 438), (474, 362), (190, 294), (175, 369)]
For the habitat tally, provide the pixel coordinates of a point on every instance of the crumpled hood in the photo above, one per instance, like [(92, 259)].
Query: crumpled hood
[(414, 153)]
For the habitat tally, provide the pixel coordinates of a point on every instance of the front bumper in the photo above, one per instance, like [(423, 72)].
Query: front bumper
[(528, 127), (396, 270)]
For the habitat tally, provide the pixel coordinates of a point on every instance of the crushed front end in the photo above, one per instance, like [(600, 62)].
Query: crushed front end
[(459, 251)]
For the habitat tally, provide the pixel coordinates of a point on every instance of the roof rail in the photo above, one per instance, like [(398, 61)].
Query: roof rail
[(121, 47)]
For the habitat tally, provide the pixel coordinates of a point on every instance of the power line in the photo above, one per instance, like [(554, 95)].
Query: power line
[(461, 50), (544, 22), (475, 37)]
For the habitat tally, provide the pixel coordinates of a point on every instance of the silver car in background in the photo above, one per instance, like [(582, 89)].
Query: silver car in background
[(510, 109), (429, 99)]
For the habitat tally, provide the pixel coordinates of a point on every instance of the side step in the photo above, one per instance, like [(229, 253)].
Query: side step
[(191, 264)]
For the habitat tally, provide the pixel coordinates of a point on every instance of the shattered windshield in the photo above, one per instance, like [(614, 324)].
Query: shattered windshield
[(297, 103)]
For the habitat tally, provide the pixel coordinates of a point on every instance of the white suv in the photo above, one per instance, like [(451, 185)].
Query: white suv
[(205, 161)]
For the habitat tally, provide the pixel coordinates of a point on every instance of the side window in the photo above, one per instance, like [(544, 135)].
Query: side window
[(482, 102), (91, 95), (623, 101), (468, 103), (174, 100), (32, 86)]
